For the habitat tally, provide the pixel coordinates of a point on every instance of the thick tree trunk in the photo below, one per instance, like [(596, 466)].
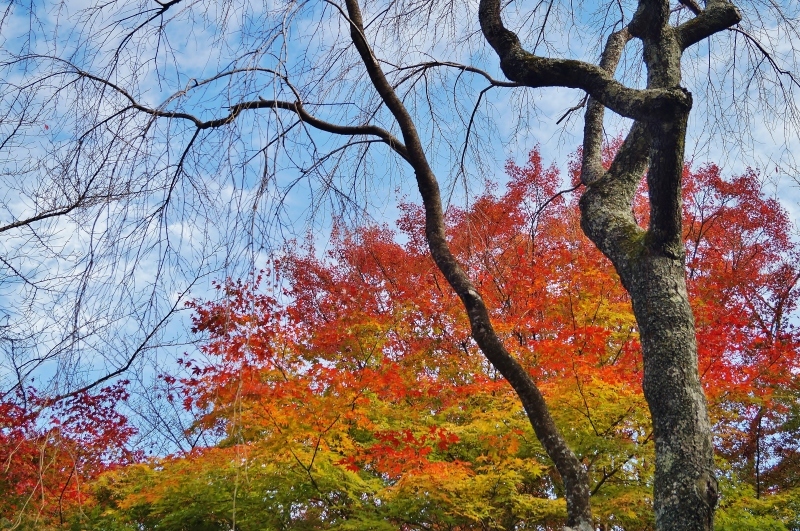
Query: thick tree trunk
[(651, 266), (685, 490), (650, 262), (685, 485)]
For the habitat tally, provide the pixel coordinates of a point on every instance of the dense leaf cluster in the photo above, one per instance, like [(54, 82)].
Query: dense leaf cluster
[(346, 393)]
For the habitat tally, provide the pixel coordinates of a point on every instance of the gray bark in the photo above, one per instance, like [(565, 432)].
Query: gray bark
[(650, 262)]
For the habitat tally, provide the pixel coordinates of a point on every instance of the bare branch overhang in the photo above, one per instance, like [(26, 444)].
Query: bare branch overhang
[(531, 70), (235, 110), (534, 71)]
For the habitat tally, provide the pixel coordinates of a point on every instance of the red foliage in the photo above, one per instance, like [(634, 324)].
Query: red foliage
[(375, 318), (49, 452)]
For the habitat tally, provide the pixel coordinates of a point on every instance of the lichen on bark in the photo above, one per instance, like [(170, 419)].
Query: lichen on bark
[(650, 262)]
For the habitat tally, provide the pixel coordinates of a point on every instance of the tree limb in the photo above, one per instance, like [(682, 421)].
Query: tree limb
[(717, 16), (533, 71)]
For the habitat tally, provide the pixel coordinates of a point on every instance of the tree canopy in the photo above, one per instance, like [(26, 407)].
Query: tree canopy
[(150, 146), (345, 392)]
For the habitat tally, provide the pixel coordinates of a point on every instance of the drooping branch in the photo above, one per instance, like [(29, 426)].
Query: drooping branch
[(768, 56)]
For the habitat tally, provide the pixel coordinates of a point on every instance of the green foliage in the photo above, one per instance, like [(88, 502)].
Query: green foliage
[(362, 404)]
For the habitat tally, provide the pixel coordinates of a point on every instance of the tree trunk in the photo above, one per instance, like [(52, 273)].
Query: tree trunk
[(685, 490), (650, 262)]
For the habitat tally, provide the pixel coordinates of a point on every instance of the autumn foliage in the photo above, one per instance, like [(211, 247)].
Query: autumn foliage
[(50, 452), (346, 393)]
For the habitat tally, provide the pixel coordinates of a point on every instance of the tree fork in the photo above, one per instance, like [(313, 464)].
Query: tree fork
[(650, 263)]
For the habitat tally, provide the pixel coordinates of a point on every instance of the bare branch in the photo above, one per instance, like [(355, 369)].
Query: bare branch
[(533, 71)]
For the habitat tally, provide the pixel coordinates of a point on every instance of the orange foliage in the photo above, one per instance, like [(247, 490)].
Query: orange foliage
[(366, 353)]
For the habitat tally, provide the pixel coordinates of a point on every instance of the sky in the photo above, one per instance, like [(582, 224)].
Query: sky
[(80, 293)]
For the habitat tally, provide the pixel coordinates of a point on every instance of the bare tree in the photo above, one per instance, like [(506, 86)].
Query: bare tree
[(184, 168)]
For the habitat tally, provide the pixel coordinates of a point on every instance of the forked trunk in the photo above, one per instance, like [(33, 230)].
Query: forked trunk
[(650, 262)]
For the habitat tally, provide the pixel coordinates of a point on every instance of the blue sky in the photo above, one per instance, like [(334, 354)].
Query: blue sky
[(245, 190)]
